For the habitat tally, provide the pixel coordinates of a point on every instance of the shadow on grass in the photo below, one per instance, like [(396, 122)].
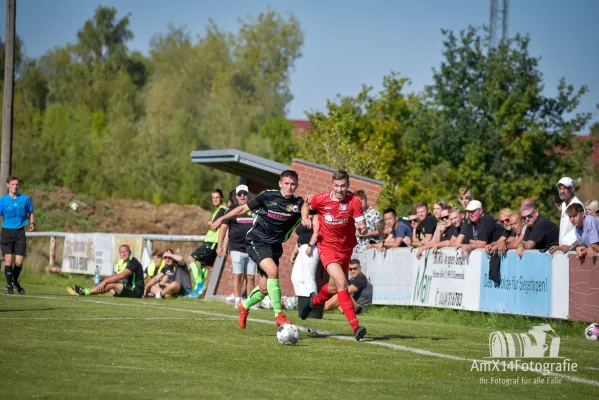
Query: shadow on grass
[(30, 309)]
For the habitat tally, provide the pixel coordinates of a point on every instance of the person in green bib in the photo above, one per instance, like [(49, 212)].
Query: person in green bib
[(155, 266), (203, 257)]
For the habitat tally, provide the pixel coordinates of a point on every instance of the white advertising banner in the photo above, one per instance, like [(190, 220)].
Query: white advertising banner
[(446, 278), (83, 251), (390, 274)]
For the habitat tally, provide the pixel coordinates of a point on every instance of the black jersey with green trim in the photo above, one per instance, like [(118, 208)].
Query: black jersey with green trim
[(276, 216)]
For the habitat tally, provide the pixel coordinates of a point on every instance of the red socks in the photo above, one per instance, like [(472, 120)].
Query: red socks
[(322, 296), (348, 308)]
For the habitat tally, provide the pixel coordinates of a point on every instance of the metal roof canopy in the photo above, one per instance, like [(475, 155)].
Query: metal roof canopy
[(239, 163)]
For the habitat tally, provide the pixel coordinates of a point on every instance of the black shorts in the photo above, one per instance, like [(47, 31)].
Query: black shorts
[(13, 241), (259, 251), (137, 293), (205, 254)]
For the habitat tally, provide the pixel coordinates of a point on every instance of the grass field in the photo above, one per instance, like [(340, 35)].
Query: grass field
[(57, 346)]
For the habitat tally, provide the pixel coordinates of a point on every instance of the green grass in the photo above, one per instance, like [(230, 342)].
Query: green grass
[(58, 346)]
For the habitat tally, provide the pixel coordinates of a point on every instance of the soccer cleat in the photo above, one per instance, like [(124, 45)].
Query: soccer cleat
[(359, 333), (282, 319), (243, 315), (9, 289), (72, 291), (17, 286), (76, 291), (308, 307)]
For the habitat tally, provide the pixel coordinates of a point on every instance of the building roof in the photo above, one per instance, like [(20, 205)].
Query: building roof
[(249, 166)]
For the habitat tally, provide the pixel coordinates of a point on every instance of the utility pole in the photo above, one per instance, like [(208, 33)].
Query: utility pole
[(9, 92), (498, 21)]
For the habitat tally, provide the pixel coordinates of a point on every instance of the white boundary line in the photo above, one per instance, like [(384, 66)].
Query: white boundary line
[(382, 344), (110, 319)]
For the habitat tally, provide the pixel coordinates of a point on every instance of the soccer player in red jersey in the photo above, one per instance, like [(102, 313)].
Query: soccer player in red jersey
[(338, 213)]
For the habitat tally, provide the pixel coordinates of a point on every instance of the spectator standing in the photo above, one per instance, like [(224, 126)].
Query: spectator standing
[(236, 229), (567, 234), (396, 234), (541, 233), (372, 218), (465, 196)]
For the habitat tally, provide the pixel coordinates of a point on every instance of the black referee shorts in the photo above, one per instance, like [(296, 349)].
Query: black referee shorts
[(259, 251), (13, 241)]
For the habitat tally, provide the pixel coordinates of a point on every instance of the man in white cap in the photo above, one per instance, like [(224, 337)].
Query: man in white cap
[(483, 229), (235, 230), (567, 231)]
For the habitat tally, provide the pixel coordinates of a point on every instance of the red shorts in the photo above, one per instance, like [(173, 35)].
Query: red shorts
[(329, 256)]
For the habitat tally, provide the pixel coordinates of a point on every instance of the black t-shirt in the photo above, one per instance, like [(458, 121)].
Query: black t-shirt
[(238, 229), (452, 231), (544, 233), (509, 234), (276, 217), (426, 227), (169, 271), (487, 229), (364, 294), (136, 279), (304, 235), (182, 276)]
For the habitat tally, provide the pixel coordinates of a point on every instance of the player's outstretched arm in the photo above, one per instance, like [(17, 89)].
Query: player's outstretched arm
[(237, 211)]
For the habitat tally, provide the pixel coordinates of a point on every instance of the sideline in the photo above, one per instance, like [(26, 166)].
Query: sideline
[(321, 333)]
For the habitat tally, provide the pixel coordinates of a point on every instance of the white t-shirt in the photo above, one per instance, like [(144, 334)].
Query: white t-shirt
[(567, 233)]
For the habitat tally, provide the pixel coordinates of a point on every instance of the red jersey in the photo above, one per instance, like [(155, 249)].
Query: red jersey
[(337, 220)]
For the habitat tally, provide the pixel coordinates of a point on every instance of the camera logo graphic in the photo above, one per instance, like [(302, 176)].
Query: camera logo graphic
[(540, 341)]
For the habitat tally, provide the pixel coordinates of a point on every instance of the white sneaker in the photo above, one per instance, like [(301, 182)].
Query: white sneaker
[(231, 298)]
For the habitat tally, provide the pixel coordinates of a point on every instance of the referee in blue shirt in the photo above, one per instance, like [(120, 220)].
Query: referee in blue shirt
[(16, 211)]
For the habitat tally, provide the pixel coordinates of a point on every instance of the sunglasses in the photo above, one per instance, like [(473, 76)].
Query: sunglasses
[(353, 269), (525, 217), (445, 218), (412, 221), (242, 193), (505, 221)]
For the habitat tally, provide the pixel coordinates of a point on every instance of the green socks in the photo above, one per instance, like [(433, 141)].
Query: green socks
[(86, 292), (255, 298), (274, 292), (199, 274)]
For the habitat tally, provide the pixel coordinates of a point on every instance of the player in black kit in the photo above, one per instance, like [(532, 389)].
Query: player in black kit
[(278, 213)]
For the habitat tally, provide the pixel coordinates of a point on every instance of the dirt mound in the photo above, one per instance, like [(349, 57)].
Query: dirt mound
[(69, 213)]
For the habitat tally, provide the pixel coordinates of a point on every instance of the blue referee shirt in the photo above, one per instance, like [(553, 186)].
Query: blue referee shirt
[(14, 211)]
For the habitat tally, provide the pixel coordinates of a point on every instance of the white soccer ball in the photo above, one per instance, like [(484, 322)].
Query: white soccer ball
[(592, 332), (288, 334)]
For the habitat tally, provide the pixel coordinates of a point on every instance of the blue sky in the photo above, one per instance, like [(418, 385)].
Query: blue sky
[(349, 43)]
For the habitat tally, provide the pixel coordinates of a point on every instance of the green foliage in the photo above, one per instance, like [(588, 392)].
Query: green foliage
[(484, 123), (106, 121)]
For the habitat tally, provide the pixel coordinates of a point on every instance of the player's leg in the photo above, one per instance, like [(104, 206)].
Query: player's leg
[(331, 304), (7, 243), (20, 250), (238, 270), (170, 289), (250, 274), (339, 275)]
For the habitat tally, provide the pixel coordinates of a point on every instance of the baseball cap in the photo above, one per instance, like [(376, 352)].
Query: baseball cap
[(567, 182), (474, 205), (241, 188)]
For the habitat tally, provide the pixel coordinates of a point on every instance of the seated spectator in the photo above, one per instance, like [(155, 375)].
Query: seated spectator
[(541, 233), (372, 218), (395, 233), (587, 232), (465, 196), (483, 229), (593, 208), (358, 286), (129, 282), (155, 266), (438, 206), (178, 280), (426, 227), (567, 234)]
